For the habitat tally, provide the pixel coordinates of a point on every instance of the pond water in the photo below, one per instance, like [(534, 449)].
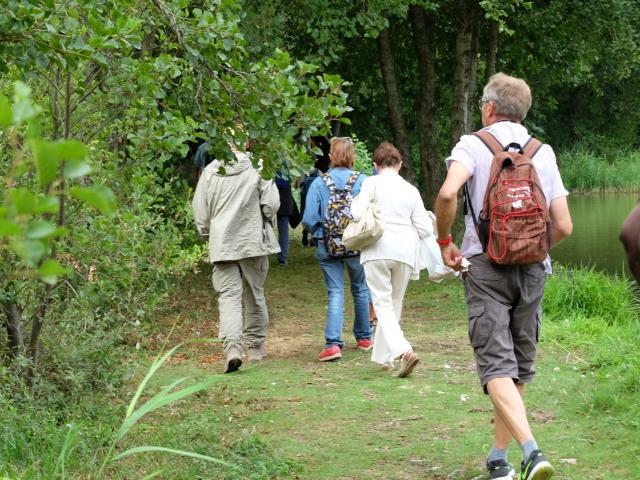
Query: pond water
[(597, 219)]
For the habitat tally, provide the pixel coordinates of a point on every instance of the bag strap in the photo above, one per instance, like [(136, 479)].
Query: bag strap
[(468, 207), (328, 182), (490, 141), (351, 181), (374, 197), (495, 147), (532, 147)]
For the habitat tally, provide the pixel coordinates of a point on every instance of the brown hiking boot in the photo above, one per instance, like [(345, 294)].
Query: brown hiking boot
[(232, 359), (255, 354), (408, 363)]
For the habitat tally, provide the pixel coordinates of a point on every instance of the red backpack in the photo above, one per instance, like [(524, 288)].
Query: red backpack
[(513, 225)]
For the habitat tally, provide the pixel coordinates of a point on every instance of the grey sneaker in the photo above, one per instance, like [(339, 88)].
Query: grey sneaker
[(255, 354), (232, 359), (500, 470), (536, 467)]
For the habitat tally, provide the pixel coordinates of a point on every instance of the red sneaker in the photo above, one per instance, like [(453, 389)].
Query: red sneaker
[(365, 344), (330, 353)]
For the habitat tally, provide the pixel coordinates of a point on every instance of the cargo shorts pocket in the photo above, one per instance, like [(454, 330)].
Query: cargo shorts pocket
[(479, 328)]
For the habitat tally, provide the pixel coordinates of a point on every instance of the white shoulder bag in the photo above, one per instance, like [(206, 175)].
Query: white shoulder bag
[(366, 231)]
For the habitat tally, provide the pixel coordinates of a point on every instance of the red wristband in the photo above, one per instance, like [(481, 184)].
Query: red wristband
[(446, 242)]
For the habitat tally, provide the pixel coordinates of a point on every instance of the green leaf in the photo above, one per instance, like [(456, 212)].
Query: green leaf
[(23, 200), (5, 112), (157, 363), (47, 161), (50, 270), (155, 474), (71, 150), (8, 228), (38, 229), (24, 110), (97, 196), (48, 204), (146, 449), (76, 169), (21, 90), (31, 251)]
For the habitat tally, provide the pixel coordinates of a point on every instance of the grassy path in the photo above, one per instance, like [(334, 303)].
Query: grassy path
[(293, 417)]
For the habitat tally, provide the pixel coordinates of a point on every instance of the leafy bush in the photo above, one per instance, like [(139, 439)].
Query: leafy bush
[(364, 159)]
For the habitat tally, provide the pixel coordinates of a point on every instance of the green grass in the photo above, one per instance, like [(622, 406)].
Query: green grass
[(583, 171), (351, 420), (597, 318), (294, 417)]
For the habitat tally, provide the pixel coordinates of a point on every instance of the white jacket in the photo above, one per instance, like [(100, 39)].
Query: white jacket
[(404, 216), (235, 209)]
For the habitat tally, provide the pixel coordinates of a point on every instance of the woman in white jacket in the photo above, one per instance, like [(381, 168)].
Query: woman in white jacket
[(388, 263)]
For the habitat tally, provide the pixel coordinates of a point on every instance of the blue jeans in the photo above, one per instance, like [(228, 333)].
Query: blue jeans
[(283, 238), (333, 269)]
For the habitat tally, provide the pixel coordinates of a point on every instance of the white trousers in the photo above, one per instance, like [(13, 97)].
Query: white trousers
[(387, 281)]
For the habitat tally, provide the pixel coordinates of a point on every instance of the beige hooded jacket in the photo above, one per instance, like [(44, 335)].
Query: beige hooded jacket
[(236, 209)]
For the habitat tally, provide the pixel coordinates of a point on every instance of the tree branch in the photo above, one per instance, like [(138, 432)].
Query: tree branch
[(171, 18)]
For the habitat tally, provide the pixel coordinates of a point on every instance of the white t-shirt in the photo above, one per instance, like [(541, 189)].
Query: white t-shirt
[(471, 152)]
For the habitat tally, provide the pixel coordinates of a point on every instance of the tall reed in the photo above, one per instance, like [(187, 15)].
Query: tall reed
[(583, 171)]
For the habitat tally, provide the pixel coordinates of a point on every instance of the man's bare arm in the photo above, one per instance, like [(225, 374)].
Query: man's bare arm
[(446, 206), (561, 224)]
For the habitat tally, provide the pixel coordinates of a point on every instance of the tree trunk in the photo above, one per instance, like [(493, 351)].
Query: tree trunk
[(425, 108), (46, 299), (394, 104), (473, 69), (461, 81), (13, 322), (492, 46)]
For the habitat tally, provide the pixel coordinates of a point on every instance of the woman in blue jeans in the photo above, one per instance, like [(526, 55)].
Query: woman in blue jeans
[(342, 156)]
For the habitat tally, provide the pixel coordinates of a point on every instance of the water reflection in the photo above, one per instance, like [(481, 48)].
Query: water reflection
[(597, 219)]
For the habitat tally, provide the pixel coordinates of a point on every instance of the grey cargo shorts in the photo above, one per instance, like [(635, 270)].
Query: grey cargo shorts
[(504, 307)]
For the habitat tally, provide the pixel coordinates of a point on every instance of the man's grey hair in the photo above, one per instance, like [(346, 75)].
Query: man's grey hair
[(511, 96)]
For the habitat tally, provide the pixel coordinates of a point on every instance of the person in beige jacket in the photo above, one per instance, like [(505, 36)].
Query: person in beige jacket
[(235, 209)]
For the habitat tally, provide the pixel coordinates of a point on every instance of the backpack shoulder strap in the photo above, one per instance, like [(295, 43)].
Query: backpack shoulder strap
[(532, 147), (352, 180), (328, 181), (490, 141)]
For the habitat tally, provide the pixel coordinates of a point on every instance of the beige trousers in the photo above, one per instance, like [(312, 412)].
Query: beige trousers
[(237, 283), (387, 281)]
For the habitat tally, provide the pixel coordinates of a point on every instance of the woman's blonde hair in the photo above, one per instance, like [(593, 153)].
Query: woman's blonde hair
[(342, 153)]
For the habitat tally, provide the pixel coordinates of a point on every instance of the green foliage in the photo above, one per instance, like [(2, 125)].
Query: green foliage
[(29, 208), (501, 10), (607, 170), (364, 160)]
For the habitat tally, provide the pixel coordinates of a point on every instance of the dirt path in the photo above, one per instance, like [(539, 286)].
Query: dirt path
[(352, 420)]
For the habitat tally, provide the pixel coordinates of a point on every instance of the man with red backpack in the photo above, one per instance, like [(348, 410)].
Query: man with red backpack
[(516, 209)]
